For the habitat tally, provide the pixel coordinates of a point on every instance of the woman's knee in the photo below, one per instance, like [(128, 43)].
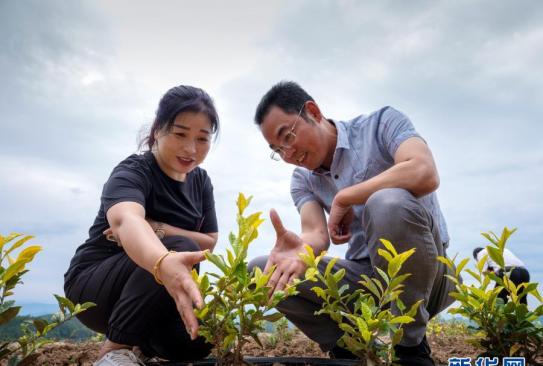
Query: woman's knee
[(180, 243)]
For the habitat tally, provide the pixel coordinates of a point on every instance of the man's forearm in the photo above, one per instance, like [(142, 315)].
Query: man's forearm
[(319, 241), (410, 175), (205, 241)]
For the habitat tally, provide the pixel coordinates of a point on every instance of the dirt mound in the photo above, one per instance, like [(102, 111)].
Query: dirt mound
[(294, 345)]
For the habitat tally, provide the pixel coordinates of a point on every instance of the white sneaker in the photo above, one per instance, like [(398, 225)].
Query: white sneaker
[(119, 357)]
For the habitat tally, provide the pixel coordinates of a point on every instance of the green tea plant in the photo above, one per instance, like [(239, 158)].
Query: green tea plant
[(280, 334), (237, 301), (454, 327), (22, 350), (370, 329), (282, 330), (509, 329)]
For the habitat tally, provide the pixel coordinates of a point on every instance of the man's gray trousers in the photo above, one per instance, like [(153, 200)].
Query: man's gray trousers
[(396, 215)]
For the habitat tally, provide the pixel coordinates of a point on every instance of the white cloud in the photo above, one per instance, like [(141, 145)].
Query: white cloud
[(91, 77)]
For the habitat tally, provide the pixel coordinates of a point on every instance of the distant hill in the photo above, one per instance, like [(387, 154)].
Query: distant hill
[(72, 329), (36, 309)]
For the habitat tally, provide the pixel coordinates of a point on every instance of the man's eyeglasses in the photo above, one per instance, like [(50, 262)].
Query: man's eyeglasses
[(287, 140)]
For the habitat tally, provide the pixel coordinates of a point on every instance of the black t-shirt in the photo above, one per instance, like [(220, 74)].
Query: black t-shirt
[(188, 205)]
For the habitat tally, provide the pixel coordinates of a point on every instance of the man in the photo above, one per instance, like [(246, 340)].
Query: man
[(518, 273), (375, 177)]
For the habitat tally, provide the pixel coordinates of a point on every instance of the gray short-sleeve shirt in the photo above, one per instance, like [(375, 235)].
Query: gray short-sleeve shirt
[(365, 148)]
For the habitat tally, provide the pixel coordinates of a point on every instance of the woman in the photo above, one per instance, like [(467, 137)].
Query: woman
[(156, 218)]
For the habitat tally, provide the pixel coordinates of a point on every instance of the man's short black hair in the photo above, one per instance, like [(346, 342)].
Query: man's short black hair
[(287, 95), (476, 251)]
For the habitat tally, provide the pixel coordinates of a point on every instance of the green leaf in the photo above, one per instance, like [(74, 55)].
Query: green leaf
[(397, 337), (342, 289), (496, 255), (446, 261), (405, 255), (481, 263), (243, 202), (230, 256), (401, 306), (473, 274), (65, 303), (366, 311), (338, 276), (257, 340), (229, 340), (402, 319), (378, 284), (310, 274), (201, 313), (383, 275), (319, 292), (394, 266), (371, 287), (514, 348), (461, 266), (6, 239), (24, 257), (40, 325), (347, 328), (389, 246), (330, 266), (506, 233), (9, 314), (217, 261), (414, 308), (396, 281), (18, 243), (87, 305), (272, 318), (232, 239), (383, 253), (491, 237)]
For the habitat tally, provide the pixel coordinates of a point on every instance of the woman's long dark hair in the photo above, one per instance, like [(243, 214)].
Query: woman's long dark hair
[(179, 99)]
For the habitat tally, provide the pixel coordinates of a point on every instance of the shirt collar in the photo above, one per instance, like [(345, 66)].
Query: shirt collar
[(342, 142), (342, 136)]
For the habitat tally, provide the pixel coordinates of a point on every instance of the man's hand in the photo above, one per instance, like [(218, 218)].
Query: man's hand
[(284, 256), (339, 222)]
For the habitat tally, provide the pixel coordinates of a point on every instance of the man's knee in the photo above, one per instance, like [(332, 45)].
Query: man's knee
[(519, 275), (392, 206), (180, 243), (388, 200), (259, 262)]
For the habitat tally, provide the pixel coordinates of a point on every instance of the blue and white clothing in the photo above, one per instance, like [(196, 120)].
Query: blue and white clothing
[(365, 148)]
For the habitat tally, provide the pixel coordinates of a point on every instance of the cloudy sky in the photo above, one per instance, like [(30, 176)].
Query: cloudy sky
[(80, 79)]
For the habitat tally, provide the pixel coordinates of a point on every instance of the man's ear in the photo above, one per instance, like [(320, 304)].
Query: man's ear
[(313, 111)]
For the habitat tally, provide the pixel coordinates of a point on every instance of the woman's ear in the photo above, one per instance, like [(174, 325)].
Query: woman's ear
[(158, 133)]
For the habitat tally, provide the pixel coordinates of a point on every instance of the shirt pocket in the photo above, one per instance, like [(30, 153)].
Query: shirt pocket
[(371, 170), (364, 174)]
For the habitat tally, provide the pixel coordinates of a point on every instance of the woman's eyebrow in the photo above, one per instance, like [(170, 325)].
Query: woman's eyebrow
[(181, 126), (188, 128)]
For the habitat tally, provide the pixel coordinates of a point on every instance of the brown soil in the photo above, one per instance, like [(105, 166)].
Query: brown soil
[(72, 354)]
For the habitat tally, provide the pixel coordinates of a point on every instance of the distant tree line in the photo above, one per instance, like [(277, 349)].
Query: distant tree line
[(71, 330)]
